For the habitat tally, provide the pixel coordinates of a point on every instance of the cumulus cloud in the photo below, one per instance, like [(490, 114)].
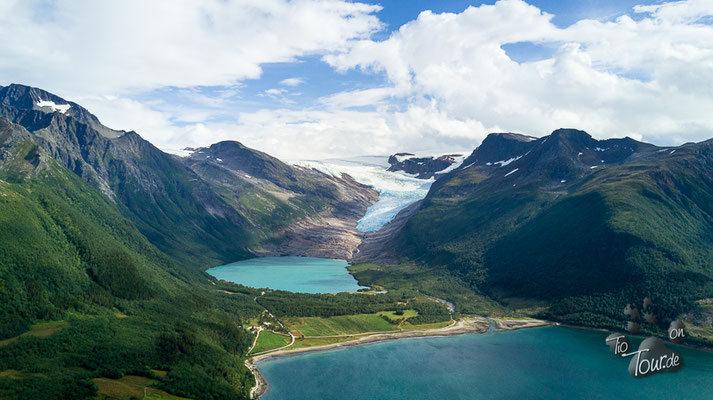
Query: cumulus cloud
[(89, 46), (449, 81), (648, 78)]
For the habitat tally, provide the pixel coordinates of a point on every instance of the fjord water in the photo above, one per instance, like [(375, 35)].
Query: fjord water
[(294, 274), (537, 363)]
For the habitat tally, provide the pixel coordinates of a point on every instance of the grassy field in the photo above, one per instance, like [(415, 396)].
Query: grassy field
[(407, 327), (41, 330), (321, 341), (269, 340), (155, 394), (311, 342), (341, 325), (705, 333), (15, 374), (700, 327), (130, 386), (396, 318)]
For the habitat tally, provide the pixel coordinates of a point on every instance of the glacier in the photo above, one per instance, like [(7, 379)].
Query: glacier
[(397, 190)]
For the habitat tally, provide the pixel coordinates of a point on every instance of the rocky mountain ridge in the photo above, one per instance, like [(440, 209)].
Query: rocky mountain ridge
[(326, 208), (424, 167), (558, 217), (185, 206)]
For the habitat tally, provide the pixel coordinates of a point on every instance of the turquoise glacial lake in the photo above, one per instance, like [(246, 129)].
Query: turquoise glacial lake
[(294, 274), (537, 363)]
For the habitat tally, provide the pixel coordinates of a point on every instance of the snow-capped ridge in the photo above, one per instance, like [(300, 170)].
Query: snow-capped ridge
[(425, 166), (458, 163)]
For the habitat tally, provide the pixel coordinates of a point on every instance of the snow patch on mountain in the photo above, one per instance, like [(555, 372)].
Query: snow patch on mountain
[(506, 162), (55, 107), (401, 157), (512, 172), (456, 164)]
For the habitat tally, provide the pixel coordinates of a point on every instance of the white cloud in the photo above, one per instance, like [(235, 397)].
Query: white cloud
[(359, 98), (102, 47), (131, 115), (589, 83), (279, 94), (678, 12), (275, 92), (292, 81), (449, 81), (300, 134)]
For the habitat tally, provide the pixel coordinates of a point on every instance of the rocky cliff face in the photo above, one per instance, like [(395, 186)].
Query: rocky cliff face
[(30, 98), (423, 167)]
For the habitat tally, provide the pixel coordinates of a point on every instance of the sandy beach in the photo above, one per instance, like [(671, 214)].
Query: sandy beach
[(512, 324), (464, 325)]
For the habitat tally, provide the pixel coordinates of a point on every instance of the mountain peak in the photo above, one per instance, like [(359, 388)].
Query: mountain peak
[(571, 133), (510, 136), (229, 151), (228, 145), (510, 160), (23, 97), (235, 156), (424, 167), (500, 147), (27, 97), (573, 139)]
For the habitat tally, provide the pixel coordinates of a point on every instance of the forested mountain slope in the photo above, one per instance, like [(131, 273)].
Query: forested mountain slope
[(119, 305), (567, 217)]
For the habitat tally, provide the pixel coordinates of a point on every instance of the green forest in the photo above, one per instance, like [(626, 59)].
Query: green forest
[(68, 255)]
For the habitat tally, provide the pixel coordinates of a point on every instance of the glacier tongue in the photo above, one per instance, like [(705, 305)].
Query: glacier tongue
[(396, 190)]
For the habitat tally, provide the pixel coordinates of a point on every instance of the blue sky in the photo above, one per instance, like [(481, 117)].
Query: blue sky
[(321, 79), (398, 12)]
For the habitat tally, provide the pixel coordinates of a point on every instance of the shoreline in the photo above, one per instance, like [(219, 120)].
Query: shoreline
[(589, 328), (478, 325), (473, 324)]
